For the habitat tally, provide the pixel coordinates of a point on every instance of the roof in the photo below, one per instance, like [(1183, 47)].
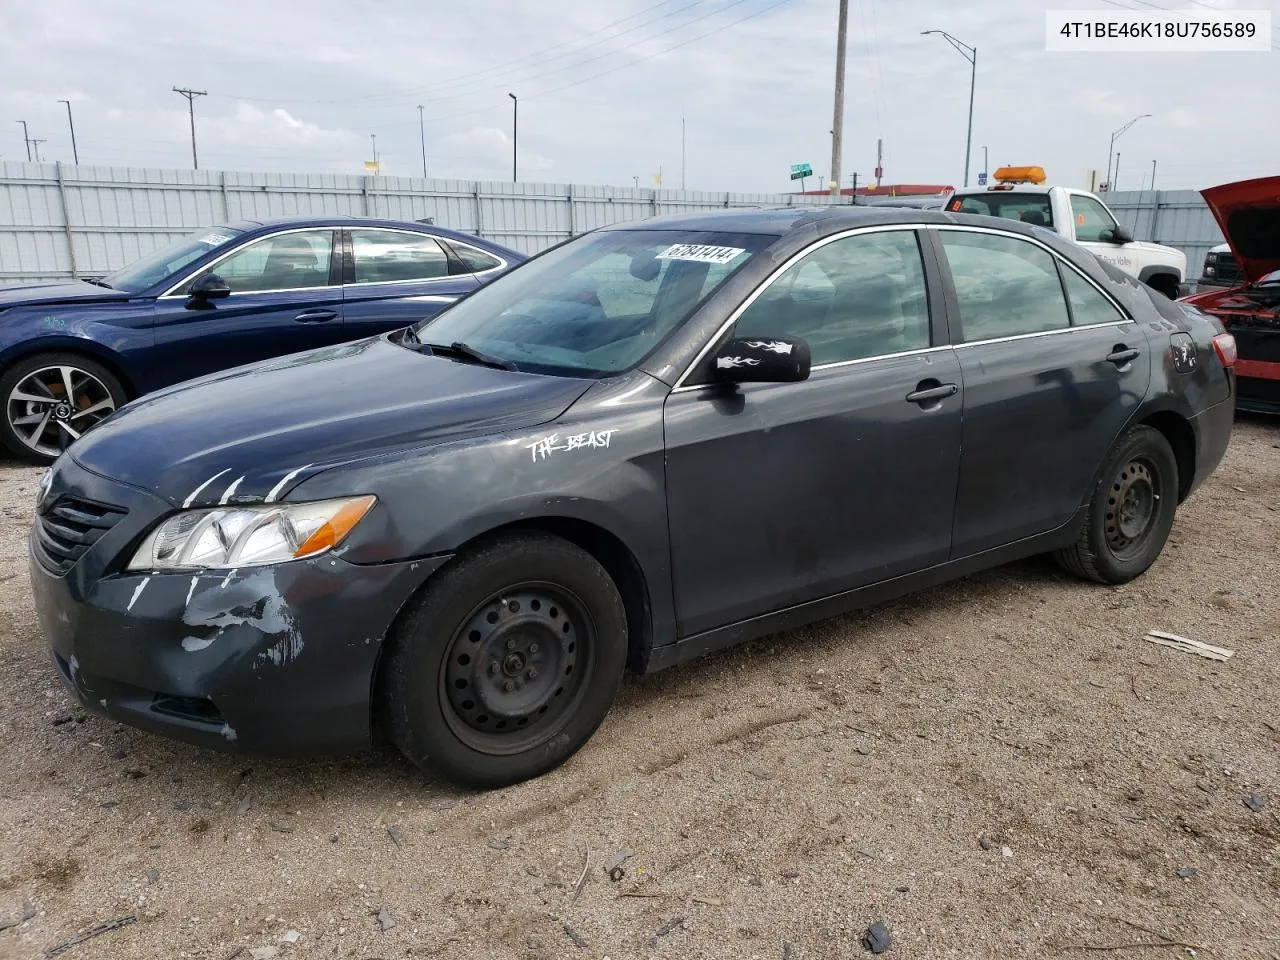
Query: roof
[(776, 221), (339, 219)]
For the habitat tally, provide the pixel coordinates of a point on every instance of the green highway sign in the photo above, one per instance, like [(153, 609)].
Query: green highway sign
[(801, 170)]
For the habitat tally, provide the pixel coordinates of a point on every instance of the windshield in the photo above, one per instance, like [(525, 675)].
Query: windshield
[(595, 305), (1030, 208), (155, 267)]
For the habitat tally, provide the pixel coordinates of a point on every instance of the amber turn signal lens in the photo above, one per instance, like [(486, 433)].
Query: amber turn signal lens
[(335, 530)]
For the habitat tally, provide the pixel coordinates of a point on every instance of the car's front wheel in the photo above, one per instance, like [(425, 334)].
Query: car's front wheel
[(51, 399), (1131, 511), (506, 663)]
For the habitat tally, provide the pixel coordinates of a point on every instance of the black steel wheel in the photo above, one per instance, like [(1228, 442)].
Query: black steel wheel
[(1130, 513), (51, 400), (515, 666), (506, 663)]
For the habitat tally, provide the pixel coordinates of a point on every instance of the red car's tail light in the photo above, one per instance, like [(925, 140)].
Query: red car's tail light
[(1224, 344)]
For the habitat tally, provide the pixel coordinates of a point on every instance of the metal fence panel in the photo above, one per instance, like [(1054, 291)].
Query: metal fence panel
[(58, 221)]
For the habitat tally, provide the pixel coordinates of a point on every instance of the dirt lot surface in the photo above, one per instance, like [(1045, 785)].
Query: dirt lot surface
[(997, 768)]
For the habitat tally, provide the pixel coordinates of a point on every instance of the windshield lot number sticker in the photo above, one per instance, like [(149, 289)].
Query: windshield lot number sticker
[(700, 253), (554, 443)]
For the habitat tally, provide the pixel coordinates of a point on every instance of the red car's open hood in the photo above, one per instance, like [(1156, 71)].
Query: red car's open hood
[(1249, 214)]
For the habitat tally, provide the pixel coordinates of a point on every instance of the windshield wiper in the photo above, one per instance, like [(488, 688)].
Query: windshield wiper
[(97, 282), (460, 351)]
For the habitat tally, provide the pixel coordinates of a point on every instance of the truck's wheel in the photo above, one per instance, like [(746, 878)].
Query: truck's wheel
[(506, 663), (50, 399), (1131, 512), (1165, 283)]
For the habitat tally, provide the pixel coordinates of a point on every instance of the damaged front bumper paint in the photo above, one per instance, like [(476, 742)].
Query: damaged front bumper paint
[(277, 660)]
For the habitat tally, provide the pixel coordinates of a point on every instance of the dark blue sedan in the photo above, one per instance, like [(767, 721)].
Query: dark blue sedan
[(71, 353)]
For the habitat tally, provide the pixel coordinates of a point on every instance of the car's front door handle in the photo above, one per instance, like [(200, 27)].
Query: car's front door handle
[(316, 316), (941, 391), (1122, 355)]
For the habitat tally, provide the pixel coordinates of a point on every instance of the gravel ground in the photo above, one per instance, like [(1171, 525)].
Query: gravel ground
[(996, 768)]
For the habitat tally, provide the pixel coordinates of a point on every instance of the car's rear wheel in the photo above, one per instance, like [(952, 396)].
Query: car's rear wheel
[(1131, 511), (51, 399), (506, 663)]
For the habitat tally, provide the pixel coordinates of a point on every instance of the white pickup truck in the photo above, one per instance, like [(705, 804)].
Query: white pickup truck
[(1077, 215)]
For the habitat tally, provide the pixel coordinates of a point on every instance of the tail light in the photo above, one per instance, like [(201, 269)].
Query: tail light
[(1224, 345)]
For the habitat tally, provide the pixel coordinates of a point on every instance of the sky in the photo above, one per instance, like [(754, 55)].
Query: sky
[(604, 89)]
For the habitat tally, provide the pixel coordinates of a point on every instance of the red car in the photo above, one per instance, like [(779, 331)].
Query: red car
[(1249, 214)]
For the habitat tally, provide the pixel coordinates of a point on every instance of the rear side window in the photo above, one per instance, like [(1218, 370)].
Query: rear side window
[(1032, 208), (1093, 223), (1005, 286), (387, 256), (475, 261), (858, 297), (1088, 306)]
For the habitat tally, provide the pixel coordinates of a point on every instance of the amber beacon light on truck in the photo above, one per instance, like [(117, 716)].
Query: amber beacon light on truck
[(1006, 177)]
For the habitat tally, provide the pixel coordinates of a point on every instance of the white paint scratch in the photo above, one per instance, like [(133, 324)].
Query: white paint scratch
[(192, 644), (230, 490), (137, 593), (196, 492), (228, 731), (284, 481), (191, 592), (227, 579)]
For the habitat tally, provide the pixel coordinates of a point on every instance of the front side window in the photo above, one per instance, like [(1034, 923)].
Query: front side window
[(387, 256), (597, 304), (1005, 286), (286, 261), (1032, 208), (857, 297), (1093, 223)]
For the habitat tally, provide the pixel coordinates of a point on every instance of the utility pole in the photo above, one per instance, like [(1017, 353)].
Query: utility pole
[(75, 154), (515, 128), (191, 112), (1111, 149), (853, 192), (986, 168), (1117, 173), (879, 160), (1153, 175), (36, 143), (970, 54), (26, 140), (422, 135), (837, 125)]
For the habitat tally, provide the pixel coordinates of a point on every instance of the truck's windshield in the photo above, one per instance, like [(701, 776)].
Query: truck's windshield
[(1032, 208)]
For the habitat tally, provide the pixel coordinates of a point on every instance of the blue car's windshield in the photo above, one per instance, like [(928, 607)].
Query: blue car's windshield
[(596, 305), (155, 267)]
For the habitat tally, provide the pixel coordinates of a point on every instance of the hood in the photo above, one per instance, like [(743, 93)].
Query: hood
[(74, 291), (255, 432), (1248, 213)]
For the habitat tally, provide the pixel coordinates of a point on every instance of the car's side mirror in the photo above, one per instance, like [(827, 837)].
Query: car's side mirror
[(1119, 234), (762, 360), (209, 287)]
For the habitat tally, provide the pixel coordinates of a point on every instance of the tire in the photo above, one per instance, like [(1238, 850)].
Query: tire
[(1130, 513), (506, 663), (37, 385), (1166, 284)]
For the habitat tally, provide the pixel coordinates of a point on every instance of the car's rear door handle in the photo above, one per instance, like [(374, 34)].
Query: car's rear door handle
[(926, 394), (316, 316), (1122, 355)]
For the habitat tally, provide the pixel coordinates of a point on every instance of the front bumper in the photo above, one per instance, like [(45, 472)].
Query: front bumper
[(277, 660)]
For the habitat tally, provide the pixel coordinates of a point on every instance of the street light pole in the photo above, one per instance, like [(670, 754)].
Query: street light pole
[(837, 125), (986, 167), (422, 135), (1111, 150), (515, 132), (26, 140), (75, 154), (970, 54)]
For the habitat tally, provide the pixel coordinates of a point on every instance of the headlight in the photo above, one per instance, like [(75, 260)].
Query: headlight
[(249, 536)]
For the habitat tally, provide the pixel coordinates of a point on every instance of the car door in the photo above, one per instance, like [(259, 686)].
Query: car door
[(782, 493), (285, 297), (1050, 380), (398, 277), (1094, 226)]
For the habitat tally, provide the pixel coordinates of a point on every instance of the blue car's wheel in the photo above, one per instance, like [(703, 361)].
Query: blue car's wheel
[(51, 399)]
